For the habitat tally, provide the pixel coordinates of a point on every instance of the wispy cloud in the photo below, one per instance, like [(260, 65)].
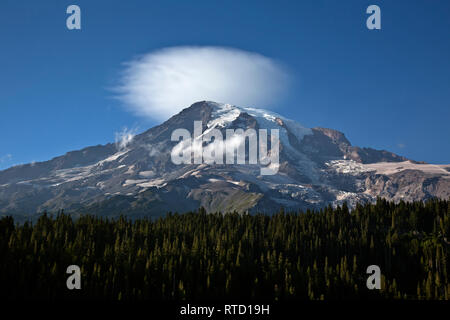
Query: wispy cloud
[(161, 83), (6, 158), (123, 138), (5, 161)]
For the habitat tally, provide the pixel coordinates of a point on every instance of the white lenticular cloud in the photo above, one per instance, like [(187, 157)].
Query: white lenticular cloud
[(162, 83)]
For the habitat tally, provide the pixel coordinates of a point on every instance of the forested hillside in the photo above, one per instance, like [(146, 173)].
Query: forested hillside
[(305, 255)]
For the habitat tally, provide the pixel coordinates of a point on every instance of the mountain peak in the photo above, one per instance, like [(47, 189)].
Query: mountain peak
[(336, 136), (317, 167)]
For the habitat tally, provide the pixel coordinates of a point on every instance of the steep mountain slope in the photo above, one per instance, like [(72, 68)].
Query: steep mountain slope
[(318, 167)]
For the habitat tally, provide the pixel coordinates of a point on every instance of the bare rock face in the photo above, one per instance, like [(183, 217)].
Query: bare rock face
[(408, 185), (318, 167)]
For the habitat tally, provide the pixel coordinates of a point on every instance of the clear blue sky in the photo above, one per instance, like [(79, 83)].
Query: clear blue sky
[(387, 89)]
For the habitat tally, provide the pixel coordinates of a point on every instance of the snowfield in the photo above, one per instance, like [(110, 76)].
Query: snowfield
[(386, 168)]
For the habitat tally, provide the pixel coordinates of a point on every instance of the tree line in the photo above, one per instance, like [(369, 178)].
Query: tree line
[(320, 254)]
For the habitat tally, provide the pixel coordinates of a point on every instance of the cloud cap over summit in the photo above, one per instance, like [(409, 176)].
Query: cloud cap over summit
[(161, 83)]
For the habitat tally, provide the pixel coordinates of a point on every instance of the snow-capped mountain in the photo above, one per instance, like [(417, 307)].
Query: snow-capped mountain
[(317, 167)]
